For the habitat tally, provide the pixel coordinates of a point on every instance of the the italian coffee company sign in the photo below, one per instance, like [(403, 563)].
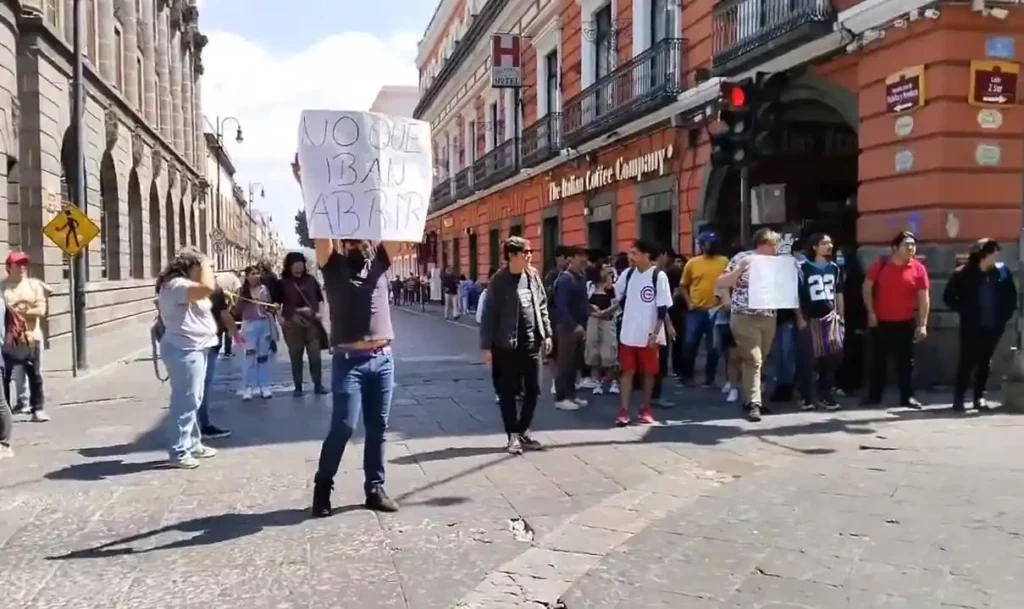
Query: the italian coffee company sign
[(639, 168)]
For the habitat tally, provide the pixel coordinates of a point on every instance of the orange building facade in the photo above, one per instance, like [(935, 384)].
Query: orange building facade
[(900, 114)]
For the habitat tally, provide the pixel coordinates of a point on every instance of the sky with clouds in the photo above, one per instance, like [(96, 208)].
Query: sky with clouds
[(267, 61)]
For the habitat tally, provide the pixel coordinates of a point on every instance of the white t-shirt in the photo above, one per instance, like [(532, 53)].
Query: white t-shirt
[(640, 315), (190, 326)]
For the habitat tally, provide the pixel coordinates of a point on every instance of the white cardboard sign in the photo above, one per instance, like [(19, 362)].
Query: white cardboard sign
[(772, 282), (365, 175)]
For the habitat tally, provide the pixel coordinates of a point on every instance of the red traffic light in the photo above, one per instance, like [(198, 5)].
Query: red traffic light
[(737, 97)]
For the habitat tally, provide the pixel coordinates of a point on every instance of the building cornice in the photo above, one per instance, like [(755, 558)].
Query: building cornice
[(435, 30), (59, 53), (223, 158)]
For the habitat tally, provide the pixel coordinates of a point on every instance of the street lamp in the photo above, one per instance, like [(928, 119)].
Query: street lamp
[(220, 125), (254, 187)]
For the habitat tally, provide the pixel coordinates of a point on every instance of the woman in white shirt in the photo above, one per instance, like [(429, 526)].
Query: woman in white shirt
[(188, 333)]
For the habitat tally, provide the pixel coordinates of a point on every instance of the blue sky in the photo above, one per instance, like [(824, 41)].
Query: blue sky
[(267, 61)]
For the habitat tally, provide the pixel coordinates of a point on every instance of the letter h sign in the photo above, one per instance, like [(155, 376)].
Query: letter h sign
[(506, 61)]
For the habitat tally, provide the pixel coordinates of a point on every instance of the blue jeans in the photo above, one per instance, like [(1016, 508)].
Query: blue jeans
[(361, 384), (784, 355), (700, 326), (255, 369), (211, 372), (187, 372)]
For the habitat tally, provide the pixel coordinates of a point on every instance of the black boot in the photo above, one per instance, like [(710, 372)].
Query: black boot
[(321, 500), (379, 501)]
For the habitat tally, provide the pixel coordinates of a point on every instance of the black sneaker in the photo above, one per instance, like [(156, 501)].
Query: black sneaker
[(529, 443), (514, 447), (321, 390), (321, 500), (297, 393), (754, 413), (212, 432), (831, 404), (958, 405), (379, 501), (806, 404)]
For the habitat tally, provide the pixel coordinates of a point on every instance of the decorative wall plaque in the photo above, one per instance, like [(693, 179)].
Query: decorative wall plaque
[(158, 163), (111, 122), (138, 147)]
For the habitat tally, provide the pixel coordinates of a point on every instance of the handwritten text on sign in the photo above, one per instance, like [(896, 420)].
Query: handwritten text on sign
[(365, 175)]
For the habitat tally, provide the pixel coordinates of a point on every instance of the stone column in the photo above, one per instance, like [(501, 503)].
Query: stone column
[(149, 86), (177, 114), (105, 34), (188, 107), (130, 37), (163, 75), (200, 120)]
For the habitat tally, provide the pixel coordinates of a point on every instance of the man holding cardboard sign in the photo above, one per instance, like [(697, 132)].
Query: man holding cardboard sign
[(366, 180)]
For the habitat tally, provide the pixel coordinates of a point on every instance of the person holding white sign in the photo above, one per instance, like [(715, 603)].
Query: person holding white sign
[(362, 367), (752, 329)]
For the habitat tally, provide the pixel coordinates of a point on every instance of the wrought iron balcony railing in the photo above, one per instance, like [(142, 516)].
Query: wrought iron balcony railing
[(749, 32), (647, 82), (464, 185), (542, 140), (497, 165), (441, 196)]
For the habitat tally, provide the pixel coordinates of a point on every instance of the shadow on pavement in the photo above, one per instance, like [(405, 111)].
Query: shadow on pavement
[(95, 471), (208, 530)]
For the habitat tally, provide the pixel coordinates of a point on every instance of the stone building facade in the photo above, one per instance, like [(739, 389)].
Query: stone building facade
[(145, 157)]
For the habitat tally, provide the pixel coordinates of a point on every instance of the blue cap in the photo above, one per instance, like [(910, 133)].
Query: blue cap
[(707, 237)]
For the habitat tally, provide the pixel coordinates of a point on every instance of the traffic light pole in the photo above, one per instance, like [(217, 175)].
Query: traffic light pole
[(745, 205), (80, 360)]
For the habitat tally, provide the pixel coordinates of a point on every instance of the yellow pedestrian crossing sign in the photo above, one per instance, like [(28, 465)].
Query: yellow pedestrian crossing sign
[(71, 230)]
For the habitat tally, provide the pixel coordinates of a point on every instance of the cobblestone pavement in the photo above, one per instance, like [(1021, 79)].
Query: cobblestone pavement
[(89, 518)]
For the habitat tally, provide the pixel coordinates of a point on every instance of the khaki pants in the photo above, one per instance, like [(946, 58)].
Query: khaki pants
[(754, 335)]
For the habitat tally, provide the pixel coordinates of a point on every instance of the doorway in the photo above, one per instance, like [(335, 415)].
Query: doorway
[(550, 236), (516, 230), (474, 255), (656, 228), (599, 237), (456, 255), (494, 246)]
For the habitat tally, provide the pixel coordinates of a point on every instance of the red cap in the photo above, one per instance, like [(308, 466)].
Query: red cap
[(17, 258)]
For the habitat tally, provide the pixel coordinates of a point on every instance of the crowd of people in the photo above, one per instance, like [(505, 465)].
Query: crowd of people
[(619, 324)]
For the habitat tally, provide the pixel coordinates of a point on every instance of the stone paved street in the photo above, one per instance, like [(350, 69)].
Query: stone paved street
[(858, 508)]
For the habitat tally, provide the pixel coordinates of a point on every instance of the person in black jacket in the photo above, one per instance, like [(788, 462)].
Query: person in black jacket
[(514, 330), (983, 293)]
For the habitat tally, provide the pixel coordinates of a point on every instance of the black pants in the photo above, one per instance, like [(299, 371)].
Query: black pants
[(302, 338), (518, 370), (663, 351), (895, 339), (33, 375), (976, 348), (567, 365), (824, 367), (677, 317), (225, 341)]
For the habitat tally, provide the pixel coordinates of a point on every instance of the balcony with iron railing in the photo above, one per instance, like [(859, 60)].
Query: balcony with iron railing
[(441, 196), (745, 33), (497, 165), (464, 185), (542, 140), (649, 81)]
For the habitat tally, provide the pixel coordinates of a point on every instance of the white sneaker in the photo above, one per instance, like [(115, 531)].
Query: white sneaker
[(186, 462), (6, 452), (266, 393), (580, 401), (586, 384), (40, 416), (614, 388), (734, 395), (726, 388), (598, 390), (553, 390), (567, 405), (246, 394), (204, 452)]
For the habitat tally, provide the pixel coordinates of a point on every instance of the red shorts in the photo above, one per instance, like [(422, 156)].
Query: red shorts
[(639, 359)]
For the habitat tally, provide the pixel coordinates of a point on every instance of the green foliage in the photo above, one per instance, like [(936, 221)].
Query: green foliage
[(302, 229)]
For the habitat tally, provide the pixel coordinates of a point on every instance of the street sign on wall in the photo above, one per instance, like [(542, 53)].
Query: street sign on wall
[(71, 230), (506, 61), (905, 90), (994, 83)]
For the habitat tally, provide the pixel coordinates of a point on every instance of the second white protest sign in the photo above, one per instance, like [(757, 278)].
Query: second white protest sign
[(365, 175)]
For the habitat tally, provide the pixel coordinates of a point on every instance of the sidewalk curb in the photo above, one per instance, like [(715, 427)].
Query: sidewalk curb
[(428, 315), (547, 570), (69, 384)]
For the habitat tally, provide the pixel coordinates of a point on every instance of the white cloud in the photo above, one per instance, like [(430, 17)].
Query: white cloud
[(266, 93)]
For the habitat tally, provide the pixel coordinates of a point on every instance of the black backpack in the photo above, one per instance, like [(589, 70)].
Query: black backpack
[(625, 289)]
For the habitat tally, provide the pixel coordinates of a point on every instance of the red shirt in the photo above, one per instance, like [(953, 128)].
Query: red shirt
[(896, 289)]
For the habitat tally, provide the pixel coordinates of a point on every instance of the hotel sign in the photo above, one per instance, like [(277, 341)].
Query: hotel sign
[(653, 163)]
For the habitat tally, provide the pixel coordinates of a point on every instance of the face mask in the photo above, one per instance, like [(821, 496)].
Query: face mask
[(840, 259)]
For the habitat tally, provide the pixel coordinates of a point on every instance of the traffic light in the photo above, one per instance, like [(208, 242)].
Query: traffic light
[(768, 111), (732, 146)]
